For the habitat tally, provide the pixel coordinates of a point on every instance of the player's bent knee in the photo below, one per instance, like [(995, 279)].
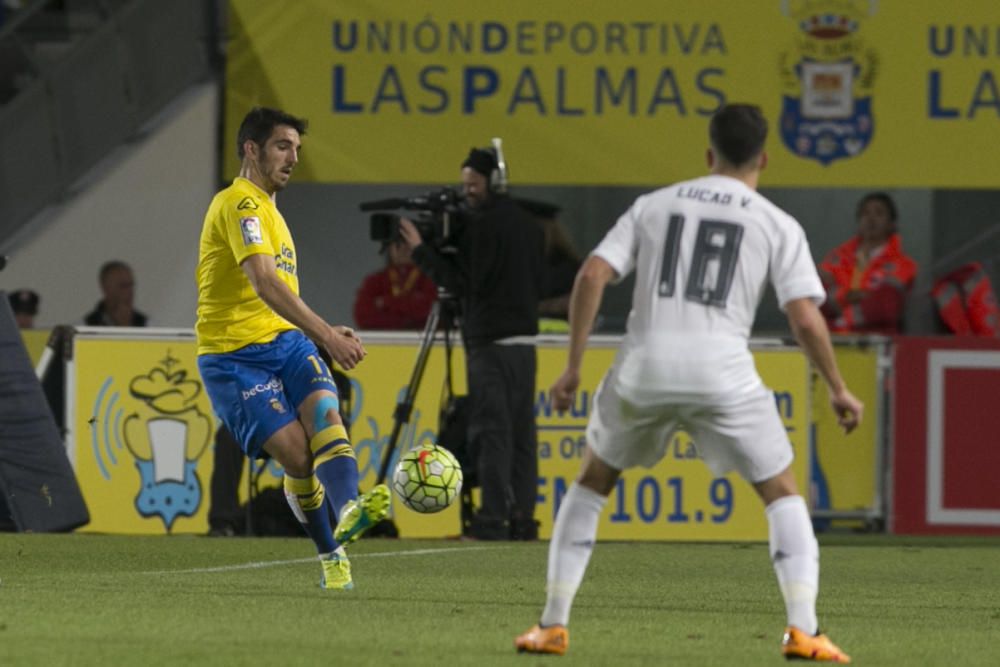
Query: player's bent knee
[(781, 485), (326, 413), (597, 475)]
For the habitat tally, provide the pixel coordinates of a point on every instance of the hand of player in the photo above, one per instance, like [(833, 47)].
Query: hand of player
[(347, 331), (344, 347), (408, 231), (564, 389), (847, 408)]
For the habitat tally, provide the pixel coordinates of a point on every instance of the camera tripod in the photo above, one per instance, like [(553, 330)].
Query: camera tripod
[(444, 312)]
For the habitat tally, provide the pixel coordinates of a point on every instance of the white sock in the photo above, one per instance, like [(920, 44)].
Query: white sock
[(795, 556), (569, 551)]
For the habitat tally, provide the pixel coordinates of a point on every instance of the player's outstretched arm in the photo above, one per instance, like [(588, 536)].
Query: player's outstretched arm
[(584, 302), (341, 343), (809, 328)]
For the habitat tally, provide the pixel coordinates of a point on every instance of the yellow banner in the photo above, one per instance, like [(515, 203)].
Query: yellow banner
[(858, 93), (143, 430), (846, 466)]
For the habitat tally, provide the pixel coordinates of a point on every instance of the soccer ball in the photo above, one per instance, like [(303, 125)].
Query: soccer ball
[(427, 479)]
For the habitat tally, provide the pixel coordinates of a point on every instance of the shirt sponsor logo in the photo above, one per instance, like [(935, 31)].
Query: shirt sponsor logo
[(250, 227), (274, 385)]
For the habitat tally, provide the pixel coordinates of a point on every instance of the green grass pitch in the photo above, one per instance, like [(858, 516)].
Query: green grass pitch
[(147, 601)]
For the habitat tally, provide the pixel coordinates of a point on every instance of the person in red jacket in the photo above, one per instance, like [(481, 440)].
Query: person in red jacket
[(868, 277), (397, 297)]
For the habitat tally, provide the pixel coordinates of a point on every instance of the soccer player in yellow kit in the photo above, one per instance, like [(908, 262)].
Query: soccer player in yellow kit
[(256, 350)]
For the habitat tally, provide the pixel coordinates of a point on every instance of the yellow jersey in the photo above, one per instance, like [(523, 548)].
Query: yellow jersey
[(242, 220)]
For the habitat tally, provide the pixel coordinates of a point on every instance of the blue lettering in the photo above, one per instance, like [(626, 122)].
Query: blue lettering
[(713, 40), (619, 515), (561, 108), (543, 404), (642, 27), (976, 44), (540, 496), (494, 37), (544, 449), (588, 42), (553, 34), (339, 42), (390, 90), (647, 484), (458, 40), (559, 487), (340, 103), (473, 89), (687, 452), (532, 96), (666, 80), (678, 515), (604, 86), (572, 448), (581, 404), (934, 108), (429, 86), (703, 86), (937, 49), (785, 403), (687, 45), (615, 34), (986, 94), (380, 40), (526, 37)]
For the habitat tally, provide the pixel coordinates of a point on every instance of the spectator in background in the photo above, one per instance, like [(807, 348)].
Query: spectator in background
[(397, 297), (868, 277), (24, 304), (117, 308)]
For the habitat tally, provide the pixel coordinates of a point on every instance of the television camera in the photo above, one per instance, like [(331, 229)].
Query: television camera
[(440, 214)]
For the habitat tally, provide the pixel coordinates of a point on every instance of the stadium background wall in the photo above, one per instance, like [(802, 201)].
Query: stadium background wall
[(139, 432)]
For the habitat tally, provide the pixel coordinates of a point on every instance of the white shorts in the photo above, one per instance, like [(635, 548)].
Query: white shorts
[(746, 435)]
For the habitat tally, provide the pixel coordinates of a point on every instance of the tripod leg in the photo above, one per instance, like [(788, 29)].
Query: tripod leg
[(404, 408)]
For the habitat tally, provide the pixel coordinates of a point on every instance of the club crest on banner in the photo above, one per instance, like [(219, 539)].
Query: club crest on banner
[(164, 431), (827, 78)]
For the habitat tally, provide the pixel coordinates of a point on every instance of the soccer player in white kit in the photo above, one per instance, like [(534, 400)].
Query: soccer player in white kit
[(703, 251)]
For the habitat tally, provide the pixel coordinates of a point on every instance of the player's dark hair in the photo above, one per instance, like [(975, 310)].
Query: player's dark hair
[(738, 133), (883, 197), (260, 122)]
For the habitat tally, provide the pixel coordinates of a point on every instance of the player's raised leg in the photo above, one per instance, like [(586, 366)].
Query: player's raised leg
[(333, 457), (795, 556), (573, 538), (337, 468)]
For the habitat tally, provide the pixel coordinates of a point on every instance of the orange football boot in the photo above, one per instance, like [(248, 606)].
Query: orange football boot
[(799, 645), (553, 639)]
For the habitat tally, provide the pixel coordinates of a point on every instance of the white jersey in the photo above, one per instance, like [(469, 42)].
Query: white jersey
[(703, 252)]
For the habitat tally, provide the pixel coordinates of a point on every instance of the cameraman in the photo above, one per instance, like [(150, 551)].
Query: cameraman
[(496, 272)]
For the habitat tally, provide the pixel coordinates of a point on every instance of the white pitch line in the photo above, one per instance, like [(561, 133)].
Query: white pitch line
[(255, 565)]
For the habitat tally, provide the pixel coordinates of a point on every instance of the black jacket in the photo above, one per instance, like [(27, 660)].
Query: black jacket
[(496, 271)]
